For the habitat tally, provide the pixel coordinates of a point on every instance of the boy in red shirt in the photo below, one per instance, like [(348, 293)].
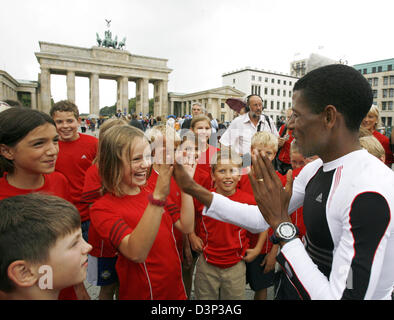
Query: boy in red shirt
[(76, 153), (220, 269), (37, 231)]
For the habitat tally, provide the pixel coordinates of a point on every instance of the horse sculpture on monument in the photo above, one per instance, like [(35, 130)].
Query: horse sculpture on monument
[(107, 42)]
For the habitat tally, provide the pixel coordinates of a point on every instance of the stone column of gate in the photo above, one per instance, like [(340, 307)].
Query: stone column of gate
[(172, 107), (209, 107), (2, 92), (219, 109), (122, 102), (164, 98), (94, 98), (45, 90), (33, 99), (142, 96), (70, 79), (157, 97)]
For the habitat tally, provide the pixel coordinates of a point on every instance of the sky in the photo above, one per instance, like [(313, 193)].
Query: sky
[(202, 39)]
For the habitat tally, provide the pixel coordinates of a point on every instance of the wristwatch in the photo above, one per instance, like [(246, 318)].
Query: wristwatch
[(285, 232)]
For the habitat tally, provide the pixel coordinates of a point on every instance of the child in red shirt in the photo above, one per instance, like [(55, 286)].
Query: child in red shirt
[(220, 269), (76, 153), (198, 136), (192, 244), (202, 129), (137, 222), (41, 247), (28, 154)]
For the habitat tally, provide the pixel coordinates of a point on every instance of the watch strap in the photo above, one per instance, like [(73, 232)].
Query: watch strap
[(275, 239)]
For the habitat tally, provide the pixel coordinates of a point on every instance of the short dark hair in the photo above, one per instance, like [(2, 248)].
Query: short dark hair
[(341, 86), (65, 106), (30, 225), (15, 124)]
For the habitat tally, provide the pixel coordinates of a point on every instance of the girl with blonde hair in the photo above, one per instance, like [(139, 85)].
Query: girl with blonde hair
[(137, 221)]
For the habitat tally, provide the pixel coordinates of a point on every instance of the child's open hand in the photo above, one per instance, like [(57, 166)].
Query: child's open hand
[(164, 171)]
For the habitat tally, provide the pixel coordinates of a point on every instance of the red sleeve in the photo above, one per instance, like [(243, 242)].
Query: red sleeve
[(173, 210), (92, 186), (93, 145), (385, 142), (68, 294), (244, 184), (57, 185), (281, 129), (198, 207), (108, 222), (203, 178)]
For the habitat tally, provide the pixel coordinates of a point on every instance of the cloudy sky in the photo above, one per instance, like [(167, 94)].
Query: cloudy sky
[(202, 39)]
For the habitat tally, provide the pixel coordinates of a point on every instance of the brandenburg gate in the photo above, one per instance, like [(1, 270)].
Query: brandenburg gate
[(104, 63)]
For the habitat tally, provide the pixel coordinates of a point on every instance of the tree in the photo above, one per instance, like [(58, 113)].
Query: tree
[(132, 105), (108, 111)]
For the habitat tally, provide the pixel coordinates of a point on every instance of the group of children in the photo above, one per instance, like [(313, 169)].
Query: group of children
[(130, 226)]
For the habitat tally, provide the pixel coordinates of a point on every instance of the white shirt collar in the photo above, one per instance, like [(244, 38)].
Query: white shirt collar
[(328, 166), (247, 118)]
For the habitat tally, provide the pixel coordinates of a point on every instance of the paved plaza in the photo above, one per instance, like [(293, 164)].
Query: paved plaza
[(94, 292)]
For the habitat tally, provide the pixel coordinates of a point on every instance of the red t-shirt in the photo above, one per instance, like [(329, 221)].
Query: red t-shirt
[(204, 160), (224, 243), (284, 154), (204, 163), (385, 142), (160, 276), (175, 198), (56, 185), (203, 178), (74, 158), (91, 192)]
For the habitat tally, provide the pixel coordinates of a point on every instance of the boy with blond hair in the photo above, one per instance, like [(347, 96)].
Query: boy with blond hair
[(220, 269), (373, 146)]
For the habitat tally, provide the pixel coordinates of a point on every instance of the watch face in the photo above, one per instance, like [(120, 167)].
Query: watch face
[(286, 231)]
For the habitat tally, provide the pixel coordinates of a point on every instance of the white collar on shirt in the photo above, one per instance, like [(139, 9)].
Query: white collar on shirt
[(247, 118)]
